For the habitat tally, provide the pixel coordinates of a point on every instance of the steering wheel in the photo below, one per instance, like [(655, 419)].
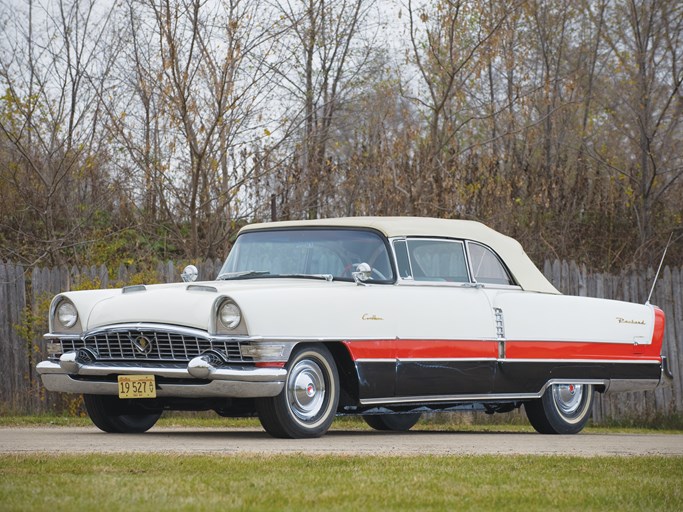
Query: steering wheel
[(381, 276)]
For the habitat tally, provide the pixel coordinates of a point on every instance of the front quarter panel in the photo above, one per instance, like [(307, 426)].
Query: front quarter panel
[(84, 300), (338, 311)]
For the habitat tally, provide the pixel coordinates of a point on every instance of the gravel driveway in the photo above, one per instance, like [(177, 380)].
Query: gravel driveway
[(60, 440)]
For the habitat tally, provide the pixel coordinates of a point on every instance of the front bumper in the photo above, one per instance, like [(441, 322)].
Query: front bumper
[(198, 379)]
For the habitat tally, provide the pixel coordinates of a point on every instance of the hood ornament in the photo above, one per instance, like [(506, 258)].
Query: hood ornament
[(189, 274)]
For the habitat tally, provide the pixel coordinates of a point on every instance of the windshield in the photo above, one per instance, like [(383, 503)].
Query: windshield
[(308, 252)]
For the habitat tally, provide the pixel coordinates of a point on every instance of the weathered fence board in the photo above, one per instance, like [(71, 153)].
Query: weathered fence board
[(6, 366), (30, 292), (14, 354)]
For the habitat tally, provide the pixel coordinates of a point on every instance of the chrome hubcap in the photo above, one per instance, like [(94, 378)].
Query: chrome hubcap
[(306, 390), (568, 397)]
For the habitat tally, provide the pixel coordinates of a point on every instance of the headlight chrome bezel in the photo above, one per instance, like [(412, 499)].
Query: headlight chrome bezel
[(229, 315), (56, 320), (225, 326)]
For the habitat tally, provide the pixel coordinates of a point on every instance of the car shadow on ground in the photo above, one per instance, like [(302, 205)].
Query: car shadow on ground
[(208, 433)]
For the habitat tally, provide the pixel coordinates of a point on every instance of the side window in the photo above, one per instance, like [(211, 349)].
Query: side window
[(486, 267), (438, 260), (401, 250)]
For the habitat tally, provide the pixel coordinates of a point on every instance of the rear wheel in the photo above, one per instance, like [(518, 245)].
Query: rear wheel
[(395, 422), (563, 409), (111, 414), (308, 403)]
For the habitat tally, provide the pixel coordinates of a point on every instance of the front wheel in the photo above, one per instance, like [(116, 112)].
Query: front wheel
[(113, 415), (308, 403), (563, 409)]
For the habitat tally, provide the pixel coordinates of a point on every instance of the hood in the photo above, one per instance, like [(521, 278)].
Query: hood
[(184, 304)]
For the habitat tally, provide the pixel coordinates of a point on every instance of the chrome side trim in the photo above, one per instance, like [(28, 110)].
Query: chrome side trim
[(500, 324), (506, 360), (602, 361), (482, 397), (442, 359), (190, 331), (623, 385), (500, 331)]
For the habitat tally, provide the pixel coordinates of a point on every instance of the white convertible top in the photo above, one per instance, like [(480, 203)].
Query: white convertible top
[(523, 269)]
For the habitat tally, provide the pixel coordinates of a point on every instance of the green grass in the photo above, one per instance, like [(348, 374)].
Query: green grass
[(300, 482), (181, 482)]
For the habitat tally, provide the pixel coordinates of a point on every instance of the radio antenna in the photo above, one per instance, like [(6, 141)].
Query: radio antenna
[(661, 262)]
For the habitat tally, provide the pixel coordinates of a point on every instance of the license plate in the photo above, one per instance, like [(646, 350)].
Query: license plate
[(137, 386)]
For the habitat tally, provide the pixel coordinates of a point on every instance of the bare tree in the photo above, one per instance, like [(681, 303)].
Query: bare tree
[(642, 97), (53, 69), (556, 122), (326, 61), (450, 42), (190, 100)]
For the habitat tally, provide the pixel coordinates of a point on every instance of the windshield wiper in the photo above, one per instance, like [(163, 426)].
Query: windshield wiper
[(245, 274), (326, 277), (249, 274)]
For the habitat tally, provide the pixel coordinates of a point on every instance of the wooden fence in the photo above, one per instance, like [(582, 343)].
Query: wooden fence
[(25, 296)]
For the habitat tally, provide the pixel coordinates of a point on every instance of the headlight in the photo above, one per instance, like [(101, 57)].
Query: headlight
[(67, 314), (230, 315)]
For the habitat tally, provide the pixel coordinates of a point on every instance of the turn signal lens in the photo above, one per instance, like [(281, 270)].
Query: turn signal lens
[(261, 351)]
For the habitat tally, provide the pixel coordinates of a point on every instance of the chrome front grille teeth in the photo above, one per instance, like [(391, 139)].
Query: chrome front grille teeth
[(149, 345)]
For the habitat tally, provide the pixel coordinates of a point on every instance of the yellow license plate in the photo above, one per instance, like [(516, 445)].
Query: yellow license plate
[(137, 386)]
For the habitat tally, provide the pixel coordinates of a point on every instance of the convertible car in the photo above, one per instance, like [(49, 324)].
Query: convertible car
[(384, 317)]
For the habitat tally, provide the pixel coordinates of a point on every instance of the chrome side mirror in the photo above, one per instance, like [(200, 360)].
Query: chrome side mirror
[(362, 273), (189, 274)]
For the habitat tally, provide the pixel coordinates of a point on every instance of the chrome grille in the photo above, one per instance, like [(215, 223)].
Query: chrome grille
[(165, 346)]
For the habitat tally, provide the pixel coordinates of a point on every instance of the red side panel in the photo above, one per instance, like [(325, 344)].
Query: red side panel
[(379, 349), (422, 349), (436, 349), (579, 350)]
